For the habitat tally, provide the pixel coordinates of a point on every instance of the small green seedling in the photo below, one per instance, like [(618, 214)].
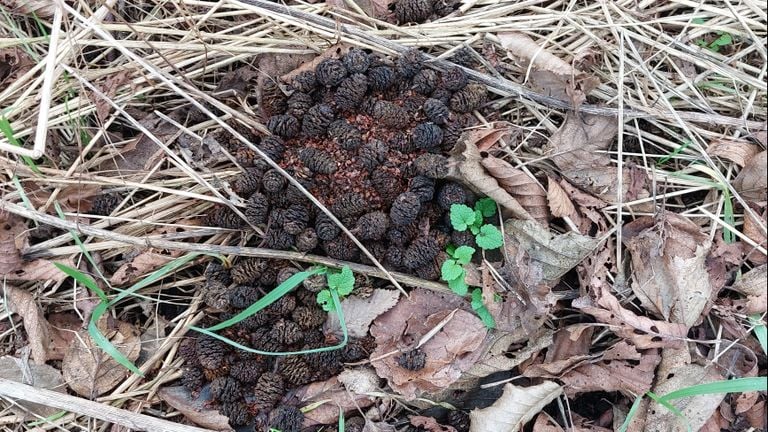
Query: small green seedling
[(342, 282), (723, 39), (487, 237)]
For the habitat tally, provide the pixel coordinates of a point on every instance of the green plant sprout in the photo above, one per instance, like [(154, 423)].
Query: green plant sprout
[(723, 39), (342, 282), (487, 237)]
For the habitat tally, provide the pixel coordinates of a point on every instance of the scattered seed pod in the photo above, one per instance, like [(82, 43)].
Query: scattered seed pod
[(105, 204), (341, 248), (268, 276), (459, 420), (390, 115), (356, 61), (427, 136), (451, 133), (431, 165), (372, 154), (413, 360), (192, 378), (314, 283), (188, 351), (295, 219), (217, 272), (308, 317), (268, 390), (273, 147), (248, 271), (224, 217), (316, 120), (454, 79), (387, 185), (330, 72), (409, 64), (211, 352), (246, 157), (355, 424), (413, 105), (294, 196), (298, 104), (348, 205), (400, 141), (305, 81), (253, 322), (279, 239), (445, 7), (372, 226), (325, 228), (214, 294), (285, 332), (295, 371), (429, 271), (351, 92), (451, 193), (327, 362), (377, 249), (272, 98), (236, 412), (283, 125), (381, 78), (226, 389), (405, 209), (420, 253), (257, 208), (355, 350), (273, 181), (468, 99), (306, 240), (345, 134), (412, 11), (436, 111), (249, 182), (463, 238), (243, 296), (442, 94), (425, 81), (285, 273), (284, 306), (394, 256), (286, 419), (424, 187), (248, 371)]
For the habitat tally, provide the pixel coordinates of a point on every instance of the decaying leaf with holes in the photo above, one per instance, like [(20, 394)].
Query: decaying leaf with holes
[(515, 407)]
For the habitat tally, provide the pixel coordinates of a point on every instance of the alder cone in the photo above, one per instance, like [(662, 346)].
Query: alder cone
[(372, 154), (342, 248), (279, 239), (192, 378), (409, 64), (272, 98), (295, 371), (325, 228), (351, 92), (387, 185), (305, 82), (268, 390), (470, 98), (224, 217), (273, 147), (421, 252), (306, 240), (188, 351), (226, 389), (390, 115), (248, 371), (314, 284), (243, 296), (450, 194), (424, 187), (464, 56), (105, 204), (273, 181), (237, 413), (349, 205), (248, 270), (402, 235), (286, 332), (330, 72), (394, 256), (413, 360), (316, 120), (299, 103), (427, 136), (211, 353), (356, 61), (372, 226), (257, 208), (454, 79), (405, 209), (459, 420), (436, 111), (249, 182), (431, 165), (425, 81), (355, 424), (463, 238), (285, 273), (283, 125), (345, 134), (381, 78), (284, 306), (308, 317), (295, 219), (318, 161), (286, 419)]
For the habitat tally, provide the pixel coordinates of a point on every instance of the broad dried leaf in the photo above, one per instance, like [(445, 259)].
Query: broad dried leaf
[(372, 8), (429, 424), (467, 160), (553, 254), (13, 238), (571, 341), (359, 313), (41, 270), (287, 66), (644, 332), (141, 153), (91, 372), (523, 188), (37, 328), (14, 63), (195, 409), (108, 87), (141, 264), (336, 398), (235, 84), (754, 284), (360, 381), (738, 152), (40, 376), (522, 46), (514, 408), (449, 352), (631, 376), (753, 228), (559, 203), (669, 270), (498, 357), (751, 181), (41, 8)]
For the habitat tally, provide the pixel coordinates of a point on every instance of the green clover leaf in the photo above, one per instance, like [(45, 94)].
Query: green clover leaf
[(463, 254), (325, 300), (342, 282), (486, 206), (462, 217), (451, 270), (458, 286), (479, 307), (489, 237)]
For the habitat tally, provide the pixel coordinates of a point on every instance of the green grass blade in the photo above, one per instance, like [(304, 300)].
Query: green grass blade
[(83, 278), (761, 332), (271, 297), (670, 407), (105, 344), (7, 130), (738, 385), (48, 419), (341, 420), (80, 244), (631, 414)]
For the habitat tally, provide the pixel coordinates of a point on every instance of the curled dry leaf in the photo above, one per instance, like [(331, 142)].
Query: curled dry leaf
[(644, 332), (467, 159), (195, 409), (141, 153), (522, 46), (41, 270), (37, 328), (359, 313), (108, 87), (669, 273), (525, 189), (40, 376), (141, 264), (90, 371), (498, 357), (754, 285), (449, 352), (560, 203), (360, 381), (429, 424), (234, 84), (516, 407), (372, 8), (335, 397), (287, 66), (751, 181), (738, 152)]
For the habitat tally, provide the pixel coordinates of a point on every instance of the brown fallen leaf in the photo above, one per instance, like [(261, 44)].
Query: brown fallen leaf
[(571, 341), (336, 399), (738, 152), (373, 8), (522, 46), (466, 158), (14, 63), (90, 371), (560, 203), (235, 84), (429, 424), (41, 376), (449, 352), (108, 87), (644, 332), (669, 273), (499, 358), (753, 228), (359, 313), (516, 407), (526, 190), (63, 328), (195, 409), (41, 270), (753, 285), (40, 8), (37, 328), (756, 416), (751, 182), (287, 66), (141, 153), (141, 264), (13, 238)]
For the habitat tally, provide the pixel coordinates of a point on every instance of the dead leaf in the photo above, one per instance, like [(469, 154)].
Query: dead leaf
[(449, 352), (40, 8), (516, 407), (360, 381), (41, 270), (89, 370), (13, 238), (63, 327), (152, 339), (669, 273), (644, 332), (751, 182), (521, 186), (753, 229), (372, 8), (522, 46), (235, 84), (467, 159), (485, 138), (14, 63), (756, 416), (429, 424), (499, 358), (574, 340), (631, 376), (560, 204), (141, 264), (37, 328), (359, 313), (336, 398), (141, 153), (287, 66), (754, 284), (108, 87), (564, 87), (40, 376), (738, 152), (195, 409)]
